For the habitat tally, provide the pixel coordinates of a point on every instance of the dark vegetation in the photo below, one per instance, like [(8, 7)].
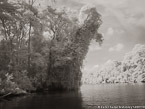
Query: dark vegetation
[(43, 50)]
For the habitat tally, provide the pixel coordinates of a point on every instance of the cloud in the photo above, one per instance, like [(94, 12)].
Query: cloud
[(117, 48), (110, 31), (96, 66), (94, 48), (91, 69)]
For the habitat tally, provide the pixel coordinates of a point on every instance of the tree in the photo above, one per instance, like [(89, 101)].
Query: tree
[(54, 62), (11, 31), (14, 42), (67, 45), (134, 63), (130, 70)]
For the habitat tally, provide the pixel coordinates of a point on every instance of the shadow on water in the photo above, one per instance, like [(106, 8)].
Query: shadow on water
[(53, 100)]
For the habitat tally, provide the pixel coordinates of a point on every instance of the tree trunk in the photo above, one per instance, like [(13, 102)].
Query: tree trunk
[(29, 47)]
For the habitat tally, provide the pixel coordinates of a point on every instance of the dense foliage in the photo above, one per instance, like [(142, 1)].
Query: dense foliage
[(43, 49), (130, 70)]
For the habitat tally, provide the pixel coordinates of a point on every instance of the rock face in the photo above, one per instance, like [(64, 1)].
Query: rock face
[(68, 74)]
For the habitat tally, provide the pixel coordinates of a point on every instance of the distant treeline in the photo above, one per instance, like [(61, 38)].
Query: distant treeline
[(130, 70), (42, 49)]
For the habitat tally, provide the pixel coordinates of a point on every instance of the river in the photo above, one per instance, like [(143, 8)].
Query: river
[(89, 97)]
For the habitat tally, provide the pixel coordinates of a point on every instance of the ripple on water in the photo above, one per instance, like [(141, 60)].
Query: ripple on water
[(90, 97)]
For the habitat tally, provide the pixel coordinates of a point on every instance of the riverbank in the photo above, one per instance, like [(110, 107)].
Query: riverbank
[(93, 83), (18, 92)]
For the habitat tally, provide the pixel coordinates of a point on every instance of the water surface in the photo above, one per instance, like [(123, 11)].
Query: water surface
[(89, 97)]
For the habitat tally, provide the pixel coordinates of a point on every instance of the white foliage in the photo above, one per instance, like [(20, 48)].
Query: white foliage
[(131, 69)]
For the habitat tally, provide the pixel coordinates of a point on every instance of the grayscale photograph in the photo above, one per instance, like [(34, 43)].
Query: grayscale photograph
[(72, 54)]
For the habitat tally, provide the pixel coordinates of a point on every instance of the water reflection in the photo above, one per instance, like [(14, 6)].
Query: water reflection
[(71, 100), (90, 97), (113, 95)]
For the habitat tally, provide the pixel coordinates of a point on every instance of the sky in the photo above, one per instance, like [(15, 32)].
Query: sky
[(123, 27)]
